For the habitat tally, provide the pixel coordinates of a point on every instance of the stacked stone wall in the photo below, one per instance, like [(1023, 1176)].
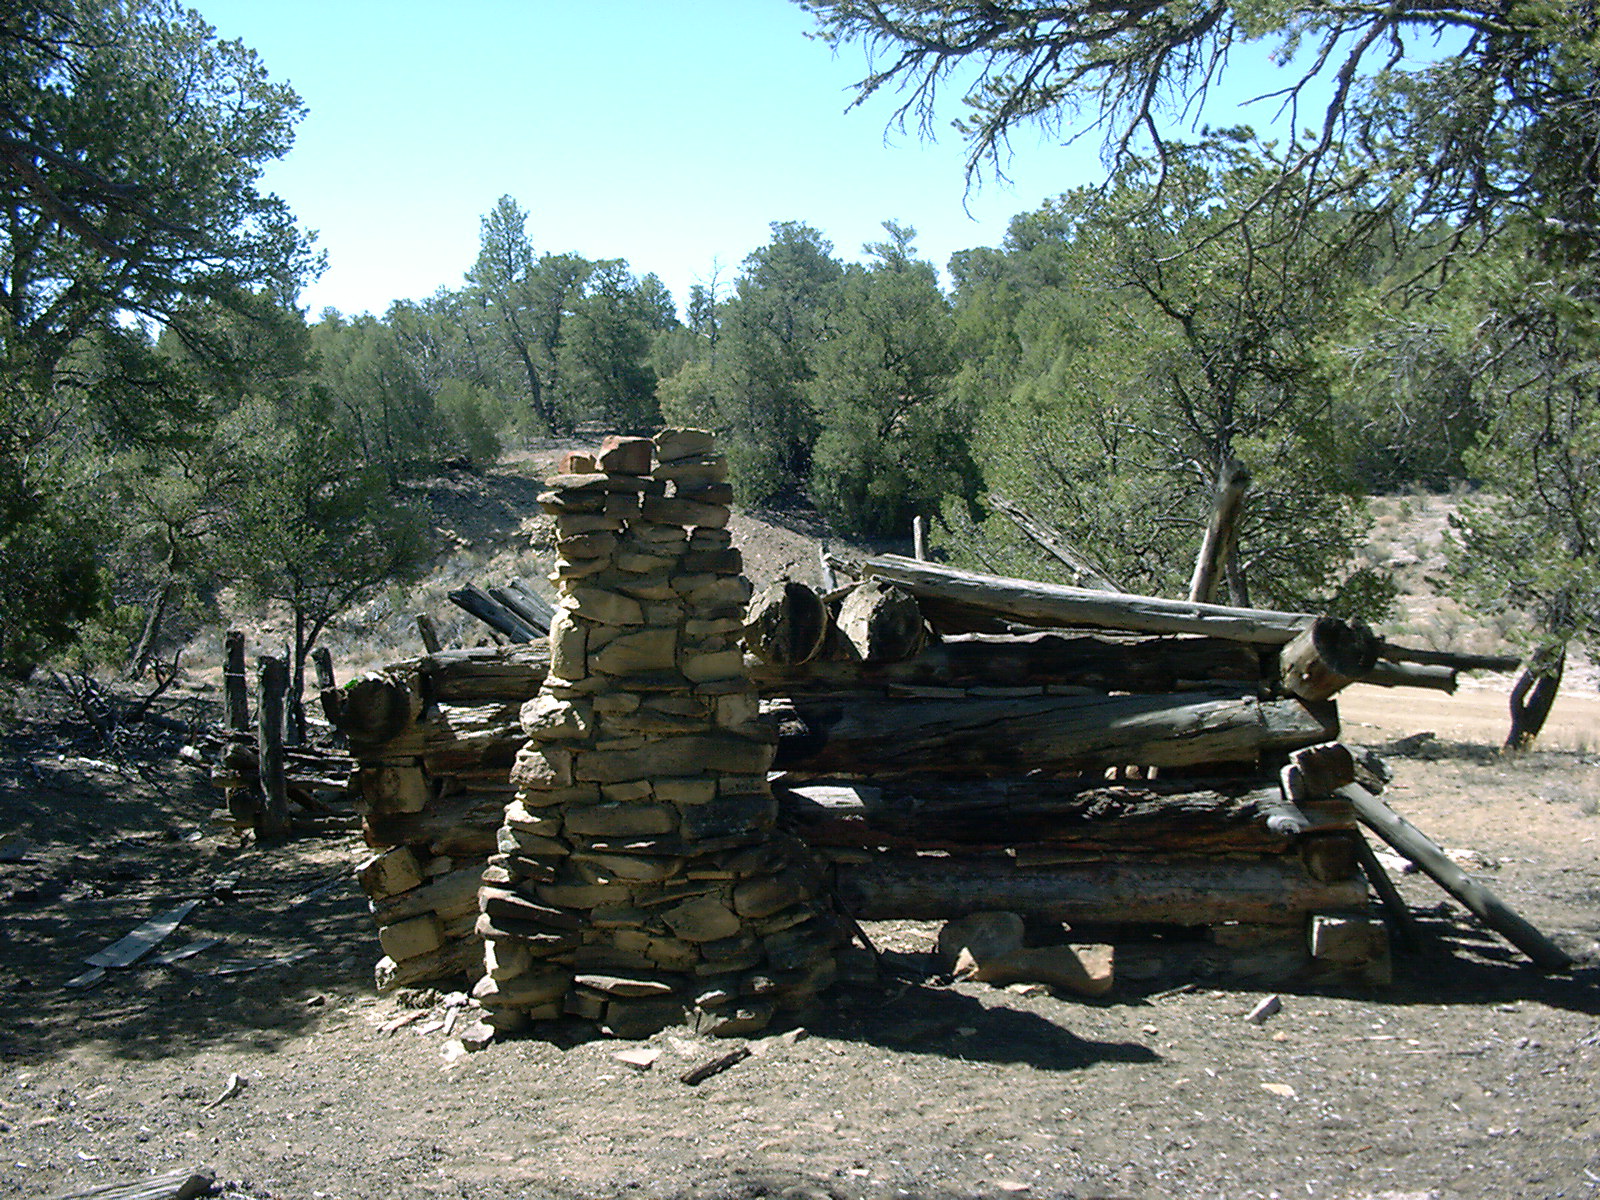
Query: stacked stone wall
[(639, 880)]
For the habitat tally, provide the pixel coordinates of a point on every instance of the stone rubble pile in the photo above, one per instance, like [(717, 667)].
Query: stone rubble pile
[(639, 880)]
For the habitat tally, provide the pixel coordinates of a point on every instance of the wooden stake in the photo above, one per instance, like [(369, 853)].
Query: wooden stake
[(919, 538), (429, 633), (273, 678), (234, 686)]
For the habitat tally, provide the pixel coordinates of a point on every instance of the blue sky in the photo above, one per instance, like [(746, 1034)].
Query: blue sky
[(667, 132)]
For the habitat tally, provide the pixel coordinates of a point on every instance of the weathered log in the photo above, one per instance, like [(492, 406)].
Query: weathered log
[(526, 604), (429, 633), (1184, 891), (786, 623), (235, 689), (877, 622), (1484, 904), (1327, 656), (1085, 573), (172, 1185), (483, 675), (378, 707), (493, 614), (1031, 660), (1397, 674), (995, 814), (1447, 658), (1049, 604), (1232, 481), (273, 681), (919, 538), (1057, 734)]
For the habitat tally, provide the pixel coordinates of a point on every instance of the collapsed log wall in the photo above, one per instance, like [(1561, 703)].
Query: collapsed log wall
[(966, 774)]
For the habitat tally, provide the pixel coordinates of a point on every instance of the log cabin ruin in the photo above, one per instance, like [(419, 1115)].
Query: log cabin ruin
[(677, 806)]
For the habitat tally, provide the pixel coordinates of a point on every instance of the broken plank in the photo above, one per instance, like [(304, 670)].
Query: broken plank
[(142, 938), (174, 1185)]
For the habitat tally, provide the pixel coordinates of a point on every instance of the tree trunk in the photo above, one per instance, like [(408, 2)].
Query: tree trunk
[(1232, 480), (1533, 695), (139, 659)]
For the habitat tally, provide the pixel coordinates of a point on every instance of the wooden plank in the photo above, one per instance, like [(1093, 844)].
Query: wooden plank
[(143, 938), (174, 1185)]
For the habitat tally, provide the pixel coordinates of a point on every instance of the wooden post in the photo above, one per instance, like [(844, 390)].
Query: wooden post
[(825, 572), (1484, 904), (273, 677), (1232, 480), (234, 688), (919, 538), (1405, 924), (429, 633), (327, 686)]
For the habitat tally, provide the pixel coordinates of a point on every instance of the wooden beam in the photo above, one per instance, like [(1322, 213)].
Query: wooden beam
[(1184, 891), (1048, 604)]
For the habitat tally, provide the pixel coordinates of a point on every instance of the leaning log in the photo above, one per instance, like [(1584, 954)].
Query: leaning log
[(493, 614), (1232, 481), (1183, 891), (1107, 663), (1484, 904), (1084, 573), (1054, 734), (1048, 604)]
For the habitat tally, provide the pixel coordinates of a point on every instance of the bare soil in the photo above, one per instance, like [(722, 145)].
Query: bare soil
[(1472, 1076)]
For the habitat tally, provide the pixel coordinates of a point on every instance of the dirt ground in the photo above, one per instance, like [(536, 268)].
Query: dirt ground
[(267, 1059), (1472, 1076)]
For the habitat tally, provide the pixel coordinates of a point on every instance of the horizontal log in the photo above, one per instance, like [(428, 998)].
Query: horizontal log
[(483, 675), (173, 1185), (1036, 659), (1447, 658), (994, 814), (1395, 674), (880, 738), (1057, 605), (1265, 889), (468, 822)]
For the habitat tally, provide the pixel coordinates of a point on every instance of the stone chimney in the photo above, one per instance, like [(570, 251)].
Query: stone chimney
[(640, 881)]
